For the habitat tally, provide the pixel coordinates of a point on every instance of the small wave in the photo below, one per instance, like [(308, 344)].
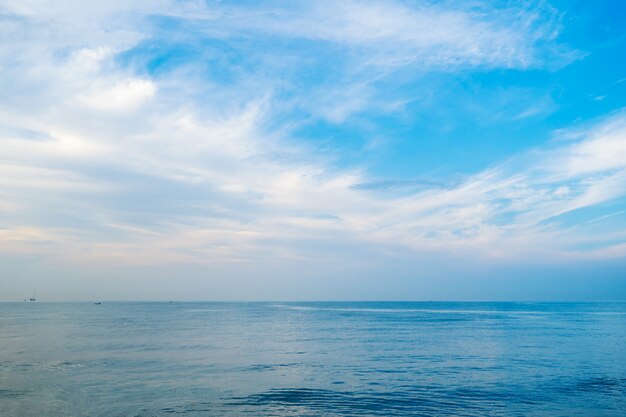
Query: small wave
[(11, 393), (604, 385), (607, 313), (420, 401), (201, 407), (267, 367), (297, 308), (64, 364)]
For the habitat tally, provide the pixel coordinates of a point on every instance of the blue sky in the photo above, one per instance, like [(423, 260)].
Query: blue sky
[(313, 150)]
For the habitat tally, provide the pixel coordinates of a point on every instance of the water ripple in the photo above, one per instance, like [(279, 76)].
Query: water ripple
[(11, 393), (418, 401)]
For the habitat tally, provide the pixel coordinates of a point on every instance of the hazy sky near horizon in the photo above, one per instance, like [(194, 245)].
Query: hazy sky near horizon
[(237, 150)]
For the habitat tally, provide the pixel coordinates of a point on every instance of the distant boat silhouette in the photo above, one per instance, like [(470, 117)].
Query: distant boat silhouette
[(97, 303)]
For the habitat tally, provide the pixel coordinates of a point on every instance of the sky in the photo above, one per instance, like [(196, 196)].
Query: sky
[(312, 150)]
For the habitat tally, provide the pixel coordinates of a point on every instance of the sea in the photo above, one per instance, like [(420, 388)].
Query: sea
[(312, 359)]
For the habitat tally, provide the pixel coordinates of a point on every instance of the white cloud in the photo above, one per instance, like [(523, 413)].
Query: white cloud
[(285, 203), (425, 34), (122, 96), (606, 149), (145, 169)]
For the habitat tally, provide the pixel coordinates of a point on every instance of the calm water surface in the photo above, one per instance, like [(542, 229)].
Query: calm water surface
[(313, 359)]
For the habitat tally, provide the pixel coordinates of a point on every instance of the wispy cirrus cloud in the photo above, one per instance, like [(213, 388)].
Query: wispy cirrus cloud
[(391, 34)]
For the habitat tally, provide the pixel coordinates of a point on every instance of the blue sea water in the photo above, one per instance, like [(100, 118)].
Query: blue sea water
[(313, 359)]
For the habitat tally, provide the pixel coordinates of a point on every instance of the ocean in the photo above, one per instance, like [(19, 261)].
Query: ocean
[(312, 359)]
